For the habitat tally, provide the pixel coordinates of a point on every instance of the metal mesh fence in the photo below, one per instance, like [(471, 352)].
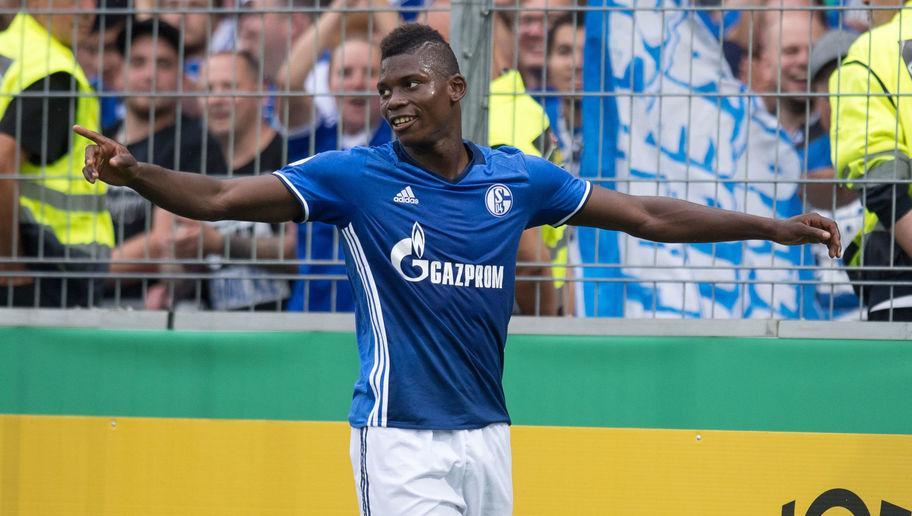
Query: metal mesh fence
[(725, 104)]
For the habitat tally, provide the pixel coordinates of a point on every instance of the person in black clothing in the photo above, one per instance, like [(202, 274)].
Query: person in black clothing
[(252, 148), (154, 130)]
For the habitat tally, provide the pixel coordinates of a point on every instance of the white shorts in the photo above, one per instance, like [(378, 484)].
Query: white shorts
[(445, 472)]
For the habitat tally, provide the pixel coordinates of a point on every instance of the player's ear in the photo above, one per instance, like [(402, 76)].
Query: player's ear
[(457, 87)]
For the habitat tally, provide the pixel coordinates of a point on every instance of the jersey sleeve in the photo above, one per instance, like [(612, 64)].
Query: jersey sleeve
[(324, 184), (559, 194)]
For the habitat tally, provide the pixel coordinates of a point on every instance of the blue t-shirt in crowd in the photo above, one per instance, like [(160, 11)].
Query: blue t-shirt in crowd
[(432, 265), (318, 241)]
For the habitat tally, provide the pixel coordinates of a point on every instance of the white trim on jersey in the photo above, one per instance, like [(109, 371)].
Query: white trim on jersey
[(296, 192), (578, 206), (379, 375)]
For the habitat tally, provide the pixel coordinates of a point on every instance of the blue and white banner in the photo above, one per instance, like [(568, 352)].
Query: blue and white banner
[(675, 122)]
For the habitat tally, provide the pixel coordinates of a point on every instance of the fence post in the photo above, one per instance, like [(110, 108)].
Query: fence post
[(470, 37)]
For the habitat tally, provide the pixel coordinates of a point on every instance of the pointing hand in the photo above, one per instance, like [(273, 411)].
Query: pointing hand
[(106, 159)]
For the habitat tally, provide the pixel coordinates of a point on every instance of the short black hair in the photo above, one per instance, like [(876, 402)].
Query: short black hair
[(411, 37), (165, 31)]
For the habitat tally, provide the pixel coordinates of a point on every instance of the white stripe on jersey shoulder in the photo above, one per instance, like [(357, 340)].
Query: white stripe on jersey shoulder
[(379, 376), (297, 193), (302, 161), (578, 206)]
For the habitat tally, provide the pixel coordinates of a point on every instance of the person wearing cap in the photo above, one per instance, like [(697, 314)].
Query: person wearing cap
[(872, 142), (153, 128)]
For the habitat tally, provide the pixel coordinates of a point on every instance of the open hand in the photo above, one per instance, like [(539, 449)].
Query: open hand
[(106, 159), (810, 228)]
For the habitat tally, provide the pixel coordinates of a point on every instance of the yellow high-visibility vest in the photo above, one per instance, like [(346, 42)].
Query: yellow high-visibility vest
[(55, 197), (871, 129), (517, 120)]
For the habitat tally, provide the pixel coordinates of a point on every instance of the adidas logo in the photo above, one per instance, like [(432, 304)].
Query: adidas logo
[(406, 196)]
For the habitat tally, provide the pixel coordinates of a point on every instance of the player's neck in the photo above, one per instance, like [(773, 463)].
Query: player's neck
[(447, 157)]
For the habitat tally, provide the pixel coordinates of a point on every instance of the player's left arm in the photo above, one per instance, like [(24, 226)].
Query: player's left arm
[(663, 219)]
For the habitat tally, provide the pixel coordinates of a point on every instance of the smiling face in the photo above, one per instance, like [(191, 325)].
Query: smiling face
[(419, 102), (785, 49)]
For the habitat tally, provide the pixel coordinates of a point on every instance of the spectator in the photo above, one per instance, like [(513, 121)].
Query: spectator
[(153, 128), (196, 27), (517, 120), (56, 219), (780, 70), (250, 144), (198, 24), (872, 145), (305, 65), (565, 76), (268, 33), (253, 147), (533, 24)]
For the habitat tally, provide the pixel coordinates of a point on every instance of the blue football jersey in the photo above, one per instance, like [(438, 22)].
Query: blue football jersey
[(432, 265)]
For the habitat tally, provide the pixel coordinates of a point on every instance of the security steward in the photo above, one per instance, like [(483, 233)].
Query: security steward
[(55, 232)]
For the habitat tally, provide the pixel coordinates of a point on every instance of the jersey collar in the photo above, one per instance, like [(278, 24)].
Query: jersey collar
[(477, 159)]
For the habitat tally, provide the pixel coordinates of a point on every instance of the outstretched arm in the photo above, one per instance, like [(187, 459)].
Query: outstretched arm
[(259, 198), (664, 219)]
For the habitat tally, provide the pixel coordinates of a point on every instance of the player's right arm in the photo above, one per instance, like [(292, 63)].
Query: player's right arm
[(196, 196)]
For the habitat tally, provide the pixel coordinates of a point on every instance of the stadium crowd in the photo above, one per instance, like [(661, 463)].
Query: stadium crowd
[(232, 89)]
